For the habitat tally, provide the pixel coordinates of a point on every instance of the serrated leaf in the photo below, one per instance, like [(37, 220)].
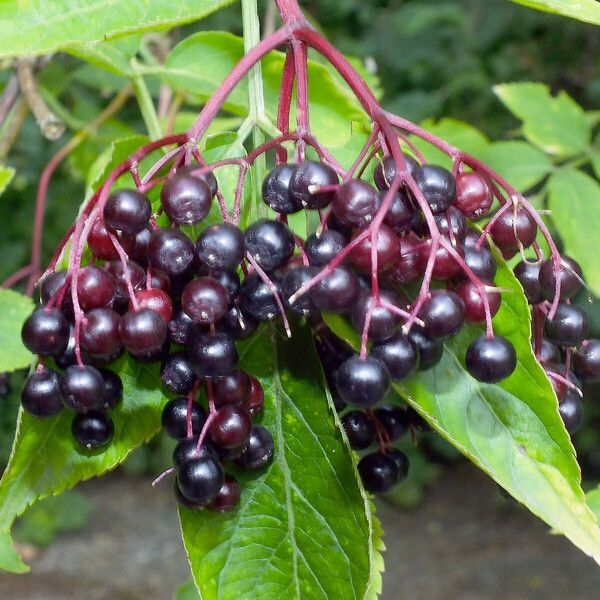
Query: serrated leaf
[(14, 309), (518, 162), (556, 124), (583, 10), (6, 175), (9, 557), (46, 460), (198, 64), (44, 26), (303, 528), (593, 501), (574, 202), (512, 430)]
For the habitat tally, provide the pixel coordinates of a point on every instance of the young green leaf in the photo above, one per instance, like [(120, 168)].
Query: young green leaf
[(574, 201), (511, 430), (44, 26), (14, 309), (583, 10), (556, 124), (304, 527), (6, 175), (45, 459)]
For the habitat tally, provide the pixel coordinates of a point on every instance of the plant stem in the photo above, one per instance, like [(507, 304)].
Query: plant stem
[(146, 104)]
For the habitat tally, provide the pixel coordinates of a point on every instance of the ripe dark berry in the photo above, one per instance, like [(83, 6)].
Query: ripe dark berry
[(228, 497), (270, 243), (67, 357), (359, 429), (137, 276), (155, 300), (100, 333), (174, 418), (443, 314), (430, 350), (445, 266), (452, 224), (570, 409), (292, 281), (276, 190), (399, 215), (491, 360), (213, 355), (113, 389), (362, 381), (549, 353), (52, 284), (473, 300), (510, 223), (378, 472), (181, 328), (399, 354), (40, 395), (528, 274), (200, 479), (82, 388), (186, 450), (474, 196), (401, 461), (143, 331), (185, 199), (95, 288), (255, 402), (237, 323), (393, 419), (325, 247), (128, 211), (230, 281), (257, 298), (569, 327), (385, 171), (177, 374), (437, 185), (586, 361), (306, 175), (383, 323), (481, 262), (93, 429), (139, 251), (258, 450), (221, 246), (45, 332), (170, 251), (388, 251), (570, 278), (337, 292), (234, 388), (102, 247), (204, 300), (231, 426), (355, 203), (407, 267)]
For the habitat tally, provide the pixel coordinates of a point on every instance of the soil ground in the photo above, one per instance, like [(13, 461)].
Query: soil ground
[(462, 543)]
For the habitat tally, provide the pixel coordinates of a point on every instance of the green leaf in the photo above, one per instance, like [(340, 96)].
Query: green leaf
[(44, 26), (519, 163), (46, 460), (557, 124), (112, 56), (460, 134), (583, 10), (593, 501), (574, 202), (9, 557), (198, 64), (6, 175), (187, 591), (595, 158), (304, 527), (512, 430), (14, 309)]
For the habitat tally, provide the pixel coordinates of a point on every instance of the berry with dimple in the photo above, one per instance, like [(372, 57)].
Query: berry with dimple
[(99, 333), (174, 418), (186, 199), (276, 190), (399, 354), (491, 360), (481, 262), (359, 429), (528, 274), (473, 299), (93, 429), (40, 395), (570, 409), (95, 288), (200, 479), (569, 274), (82, 388), (170, 251), (355, 203), (234, 388), (292, 281), (307, 176), (270, 243), (385, 171), (155, 300), (143, 331), (437, 185), (430, 350), (586, 360), (204, 300), (213, 355), (230, 427), (221, 246), (113, 389), (393, 419), (176, 373), (378, 472), (568, 327), (257, 299), (322, 249), (45, 332), (383, 322), (128, 211), (336, 292), (362, 381), (443, 314), (388, 251), (474, 196), (258, 450), (228, 496), (513, 229)]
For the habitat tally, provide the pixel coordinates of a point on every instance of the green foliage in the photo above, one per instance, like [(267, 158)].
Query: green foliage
[(187, 591), (584, 10), (14, 309), (6, 175), (304, 526)]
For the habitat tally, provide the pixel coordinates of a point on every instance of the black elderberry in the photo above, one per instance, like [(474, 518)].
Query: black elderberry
[(570, 409), (399, 354), (82, 388), (177, 374), (45, 332), (40, 395), (270, 243), (568, 327), (200, 479), (174, 418), (379, 472), (128, 211), (393, 419), (186, 199), (221, 246), (276, 190), (443, 314), (213, 355), (305, 181), (491, 360), (170, 251), (322, 249), (292, 281), (258, 450), (362, 381), (359, 429), (437, 185), (93, 429)]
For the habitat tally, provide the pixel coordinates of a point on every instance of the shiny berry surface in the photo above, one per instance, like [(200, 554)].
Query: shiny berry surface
[(399, 354), (128, 211), (176, 373), (270, 243), (569, 273), (170, 251), (230, 427), (99, 333), (185, 199), (82, 388), (378, 472), (586, 360), (383, 322), (474, 196), (221, 246), (93, 429), (175, 415), (362, 381), (528, 274), (40, 395), (95, 288), (388, 251), (569, 327), (200, 479), (437, 185), (205, 300), (45, 332), (258, 450), (213, 355), (228, 496), (306, 175), (323, 248), (337, 292), (443, 314), (355, 203), (276, 190), (514, 229), (491, 360), (143, 331), (359, 429)]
